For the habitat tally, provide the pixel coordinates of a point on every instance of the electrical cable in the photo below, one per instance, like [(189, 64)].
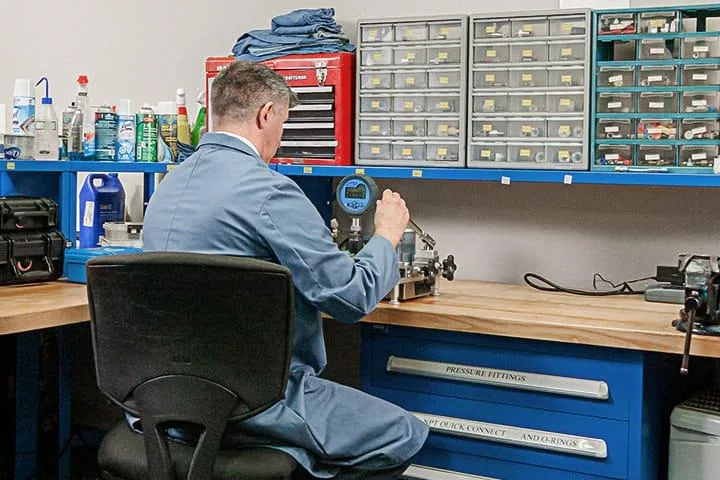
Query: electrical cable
[(622, 288)]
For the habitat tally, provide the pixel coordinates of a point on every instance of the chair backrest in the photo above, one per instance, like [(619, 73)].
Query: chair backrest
[(184, 337)]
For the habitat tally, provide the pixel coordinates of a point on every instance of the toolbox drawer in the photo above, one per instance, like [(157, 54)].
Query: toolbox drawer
[(615, 128), (619, 77), (527, 127), (443, 104), (561, 102), (375, 104), (526, 102), (701, 47), (445, 31), (490, 127), (526, 153), (411, 80), (700, 75), (658, 76), (444, 79), (375, 127), (490, 103), (565, 153), (615, 103), (698, 156), (492, 28), (528, 77), (376, 80), (444, 55), (573, 76), (657, 155), (377, 56), (409, 151), (491, 78), (376, 33), (407, 56), (656, 50), (614, 155), (409, 104), (700, 102), (657, 102), (375, 150), (442, 152), (411, 32), (528, 52), (442, 127), (530, 27), (492, 53), (700, 129), (567, 51), (565, 128), (408, 128), (484, 152), (566, 26)]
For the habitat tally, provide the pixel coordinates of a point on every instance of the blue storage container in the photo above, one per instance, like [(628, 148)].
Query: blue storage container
[(76, 259), (102, 199)]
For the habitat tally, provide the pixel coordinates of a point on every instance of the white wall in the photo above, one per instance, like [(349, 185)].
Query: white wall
[(144, 50)]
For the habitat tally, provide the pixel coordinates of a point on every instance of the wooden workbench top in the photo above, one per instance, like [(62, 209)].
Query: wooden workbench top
[(522, 312), (463, 306)]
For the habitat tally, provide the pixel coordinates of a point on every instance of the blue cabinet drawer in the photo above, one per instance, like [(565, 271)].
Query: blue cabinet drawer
[(553, 440), (594, 382)]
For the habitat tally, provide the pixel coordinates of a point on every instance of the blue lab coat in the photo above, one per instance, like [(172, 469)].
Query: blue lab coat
[(225, 200)]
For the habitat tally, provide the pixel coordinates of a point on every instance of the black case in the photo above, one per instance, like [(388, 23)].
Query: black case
[(31, 257), (24, 214)]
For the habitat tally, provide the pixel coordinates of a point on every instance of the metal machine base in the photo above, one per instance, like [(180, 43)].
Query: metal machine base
[(698, 328)]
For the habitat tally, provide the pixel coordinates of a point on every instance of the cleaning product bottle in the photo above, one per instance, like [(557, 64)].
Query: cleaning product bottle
[(67, 117), (126, 132), (102, 199), (105, 132), (183, 121), (23, 112), (75, 149), (147, 135), (88, 119), (200, 127), (167, 119), (47, 142)]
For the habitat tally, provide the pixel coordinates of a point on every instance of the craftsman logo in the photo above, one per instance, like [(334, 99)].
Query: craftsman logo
[(493, 374), (550, 440), (460, 427), (295, 77)]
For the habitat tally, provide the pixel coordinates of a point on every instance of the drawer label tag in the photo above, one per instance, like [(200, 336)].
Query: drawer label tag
[(557, 442), (575, 387)]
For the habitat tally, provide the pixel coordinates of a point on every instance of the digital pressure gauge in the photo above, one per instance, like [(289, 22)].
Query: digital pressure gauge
[(356, 194)]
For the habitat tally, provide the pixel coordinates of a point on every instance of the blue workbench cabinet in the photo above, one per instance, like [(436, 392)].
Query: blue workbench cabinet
[(515, 409)]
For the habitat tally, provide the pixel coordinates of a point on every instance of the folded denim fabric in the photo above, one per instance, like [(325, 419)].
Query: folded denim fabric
[(305, 16), (307, 29)]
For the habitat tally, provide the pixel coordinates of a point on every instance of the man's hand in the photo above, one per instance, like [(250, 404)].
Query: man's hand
[(391, 217)]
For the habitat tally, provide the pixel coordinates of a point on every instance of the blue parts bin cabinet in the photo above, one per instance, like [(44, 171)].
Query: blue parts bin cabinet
[(523, 409), (657, 89)]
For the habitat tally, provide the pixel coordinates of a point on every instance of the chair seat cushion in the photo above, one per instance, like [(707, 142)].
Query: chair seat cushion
[(122, 456)]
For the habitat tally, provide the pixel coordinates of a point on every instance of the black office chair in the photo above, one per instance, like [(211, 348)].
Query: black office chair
[(191, 341)]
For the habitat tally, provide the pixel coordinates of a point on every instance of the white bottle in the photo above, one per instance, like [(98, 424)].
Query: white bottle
[(47, 141), (23, 111)]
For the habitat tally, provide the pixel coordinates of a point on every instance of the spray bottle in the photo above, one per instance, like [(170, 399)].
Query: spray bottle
[(47, 142), (126, 132), (23, 112), (88, 118), (199, 128), (147, 135), (167, 132), (183, 122)]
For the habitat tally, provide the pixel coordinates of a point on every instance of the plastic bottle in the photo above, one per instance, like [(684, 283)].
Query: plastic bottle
[(105, 132), (47, 142), (23, 112), (183, 121), (102, 199), (75, 149), (88, 118), (167, 119), (126, 132), (67, 117), (199, 127)]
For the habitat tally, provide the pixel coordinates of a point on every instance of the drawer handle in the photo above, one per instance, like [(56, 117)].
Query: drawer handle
[(557, 442), (575, 387), (428, 473)]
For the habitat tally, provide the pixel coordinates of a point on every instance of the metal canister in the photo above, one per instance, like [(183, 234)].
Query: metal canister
[(147, 135), (406, 247), (105, 132)]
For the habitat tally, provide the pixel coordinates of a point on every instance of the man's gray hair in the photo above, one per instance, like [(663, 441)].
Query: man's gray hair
[(242, 88)]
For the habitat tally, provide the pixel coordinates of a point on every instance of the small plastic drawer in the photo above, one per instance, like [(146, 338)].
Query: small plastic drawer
[(616, 77), (698, 156), (565, 128), (372, 57), (617, 24), (567, 51), (443, 104), (526, 152), (490, 103), (375, 127), (658, 76), (411, 32), (493, 28), (415, 79), (615, 103), (375, 150), (700, 102), (376, 80), (489, 152), (375, 104), (656, 50), (442, 152), (614, 155), (659, 22), (529, 52), (530, 27), (409, 104), (408, 151), (528, 77), (700, 129), (408, 128), (527, 127), (443, 128), (566, 76), (445, 31), (657, 129), (376, 33), (701, 47), (657, 155), (444, 78), (491, 78), (404, 56), (444, 55), (492, 53), (700, 75), (525, 102), (614, 128), (490, 127), (565, 153), (562, 102), (565, 26), (658, 102)]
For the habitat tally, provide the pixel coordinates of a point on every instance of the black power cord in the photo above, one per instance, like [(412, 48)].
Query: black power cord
[(622, 288)]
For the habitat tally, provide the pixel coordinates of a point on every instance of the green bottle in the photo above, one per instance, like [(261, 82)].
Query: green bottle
[(200, 125)]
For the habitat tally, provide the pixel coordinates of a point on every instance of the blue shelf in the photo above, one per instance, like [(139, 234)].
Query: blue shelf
[(514, 175), (83, 166)]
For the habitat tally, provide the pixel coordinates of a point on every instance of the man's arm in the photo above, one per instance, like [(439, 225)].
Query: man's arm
[(346, 288)]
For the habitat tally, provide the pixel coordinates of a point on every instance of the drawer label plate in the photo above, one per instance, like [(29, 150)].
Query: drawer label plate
[(575, 387), (557, 442)]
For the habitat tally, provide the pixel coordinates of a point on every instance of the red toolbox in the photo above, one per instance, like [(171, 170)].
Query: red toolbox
[(319, 131)]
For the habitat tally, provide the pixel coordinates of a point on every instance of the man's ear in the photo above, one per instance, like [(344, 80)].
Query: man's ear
[(264, 114)]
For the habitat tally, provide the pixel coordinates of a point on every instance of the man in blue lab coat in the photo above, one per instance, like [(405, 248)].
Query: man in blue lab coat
[(225, 200)]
